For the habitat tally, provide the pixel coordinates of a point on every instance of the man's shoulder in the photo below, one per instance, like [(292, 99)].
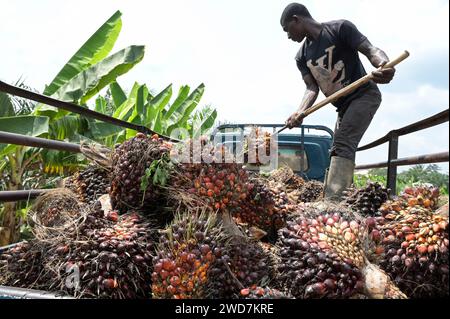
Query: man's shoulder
[(301, 51), (335, 25)]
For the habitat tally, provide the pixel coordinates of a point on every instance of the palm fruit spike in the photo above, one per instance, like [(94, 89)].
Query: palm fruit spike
[(322, 256), (255, 292), (244, 263), (186, 253), (130, 162), (415, 244), (366, 200), (90, 183)]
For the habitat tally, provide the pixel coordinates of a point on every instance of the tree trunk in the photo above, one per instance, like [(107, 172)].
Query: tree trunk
[(8, 229)]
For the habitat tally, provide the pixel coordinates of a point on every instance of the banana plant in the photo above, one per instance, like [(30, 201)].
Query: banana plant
[(177, 119), (15, 161), (87, 72)]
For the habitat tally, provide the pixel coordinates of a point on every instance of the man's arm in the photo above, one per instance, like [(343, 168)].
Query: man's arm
[(377, 58), (310, 96)]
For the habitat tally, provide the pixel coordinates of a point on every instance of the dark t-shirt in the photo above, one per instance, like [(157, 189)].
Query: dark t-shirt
[(333, 60)]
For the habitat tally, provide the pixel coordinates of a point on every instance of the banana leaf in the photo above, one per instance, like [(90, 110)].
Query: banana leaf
[(182, 96), (118, 95), (95, 49), (89, 82), (6, 106)]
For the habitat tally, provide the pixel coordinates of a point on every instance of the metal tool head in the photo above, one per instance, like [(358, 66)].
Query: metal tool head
[(281, 130)]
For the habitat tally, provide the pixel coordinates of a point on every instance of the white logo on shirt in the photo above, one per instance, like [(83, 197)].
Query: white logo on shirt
[(327, 77)]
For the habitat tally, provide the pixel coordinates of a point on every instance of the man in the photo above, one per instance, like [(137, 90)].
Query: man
[(328, 59)]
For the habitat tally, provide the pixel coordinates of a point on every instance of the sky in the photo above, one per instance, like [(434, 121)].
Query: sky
[(240, 52)]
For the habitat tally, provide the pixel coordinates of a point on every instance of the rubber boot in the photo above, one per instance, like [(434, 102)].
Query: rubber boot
[(339, 178)]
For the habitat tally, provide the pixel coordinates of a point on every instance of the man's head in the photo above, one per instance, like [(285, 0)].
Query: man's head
[(293, 19)]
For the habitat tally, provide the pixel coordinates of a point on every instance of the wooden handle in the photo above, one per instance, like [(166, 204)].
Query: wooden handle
[(350, 88)]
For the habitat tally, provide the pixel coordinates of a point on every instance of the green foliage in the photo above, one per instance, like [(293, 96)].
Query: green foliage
[(159, 172), (89, 82), (417, 174), (95, 49)]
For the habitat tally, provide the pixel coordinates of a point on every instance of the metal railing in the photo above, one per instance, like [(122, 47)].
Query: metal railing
[(74, 108), (24, 140), (392, 138)]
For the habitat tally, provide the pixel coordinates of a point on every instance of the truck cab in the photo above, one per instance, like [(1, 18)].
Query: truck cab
[(304, 149)]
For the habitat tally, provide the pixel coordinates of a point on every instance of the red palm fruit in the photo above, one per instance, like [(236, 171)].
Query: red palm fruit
[(109, 283)]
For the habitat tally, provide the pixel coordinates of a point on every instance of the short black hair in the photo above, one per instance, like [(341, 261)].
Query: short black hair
[(292, 10)]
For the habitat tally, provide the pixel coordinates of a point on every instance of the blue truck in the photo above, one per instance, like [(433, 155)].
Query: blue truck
[(305, 149)]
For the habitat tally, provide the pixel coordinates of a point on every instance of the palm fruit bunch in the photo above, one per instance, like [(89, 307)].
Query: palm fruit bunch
[(90, 183), (320, 257), (266, 207), (425, 195), (101, 257), (258, 209), (366, 200), (216, 178), (20, 266), (131, 165), (283, 206), (243, 263), (257, 142), (415, 241), (323, 256), (255, 292), (116, 261), (185, 255), (310, 192)]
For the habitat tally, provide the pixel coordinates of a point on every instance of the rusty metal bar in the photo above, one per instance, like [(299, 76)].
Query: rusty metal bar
[(14, 196), (413, 160), (18, 139), (72, 107), (434, 120)]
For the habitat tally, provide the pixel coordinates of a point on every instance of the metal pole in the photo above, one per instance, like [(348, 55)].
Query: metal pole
[(302, 152), (392, 168), (14, 196), (413, 160), (18, 139), (72, 107)]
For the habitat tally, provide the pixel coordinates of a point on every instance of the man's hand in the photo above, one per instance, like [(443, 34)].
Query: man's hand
[(383, 76), (294, 120), (378, 59)]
